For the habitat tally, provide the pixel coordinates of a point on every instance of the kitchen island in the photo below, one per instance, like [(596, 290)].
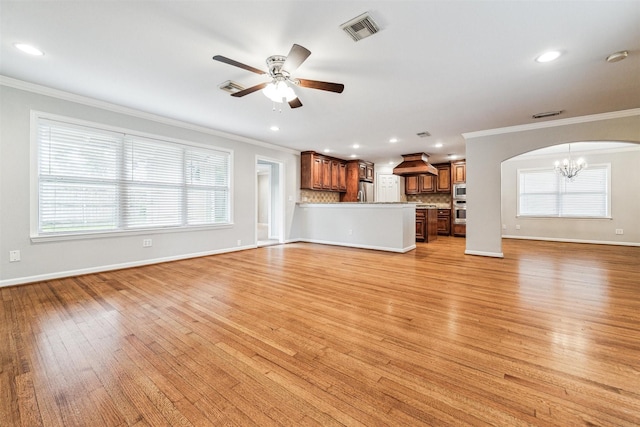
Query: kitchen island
[(381, 226)]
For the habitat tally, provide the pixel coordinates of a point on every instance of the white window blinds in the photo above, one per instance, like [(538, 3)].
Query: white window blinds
[(544, 193), (95, 180)]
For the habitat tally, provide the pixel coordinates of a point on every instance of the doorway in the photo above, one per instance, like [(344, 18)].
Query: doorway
[(269, 202)]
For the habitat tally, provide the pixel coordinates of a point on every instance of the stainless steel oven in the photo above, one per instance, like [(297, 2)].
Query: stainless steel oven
[(459, 211)]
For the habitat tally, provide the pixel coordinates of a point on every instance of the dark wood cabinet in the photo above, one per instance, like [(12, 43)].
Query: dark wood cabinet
[(421, 225), (444, 222), (459, 230), (418, 184), (459, 172), (443, 182), (365, 171), (426, 225), (427, 183), (335, 177), (411, 184), (342, 176), (318, 172), (326, 173)]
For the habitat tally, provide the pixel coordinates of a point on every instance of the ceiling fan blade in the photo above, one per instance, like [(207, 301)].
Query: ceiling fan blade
[(297, 55), (295, 103), (237, 64), (314, 84), (249, 90)]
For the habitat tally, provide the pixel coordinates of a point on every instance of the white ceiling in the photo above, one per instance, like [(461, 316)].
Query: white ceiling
[(446, 67)]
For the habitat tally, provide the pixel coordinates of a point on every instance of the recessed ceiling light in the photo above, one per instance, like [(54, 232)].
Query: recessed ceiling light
[(326, 150), (353, 156), (27, 48), (274, 128), (393, 140), (356, 146), (548, 56), (391, 162), (438, 145), (618, 56), (452, 156)]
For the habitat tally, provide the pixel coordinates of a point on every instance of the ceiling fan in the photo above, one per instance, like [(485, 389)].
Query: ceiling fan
[(280, 69)]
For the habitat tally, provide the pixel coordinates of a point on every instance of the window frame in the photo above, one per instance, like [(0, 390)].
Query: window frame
[(34, 198), (519, 214)]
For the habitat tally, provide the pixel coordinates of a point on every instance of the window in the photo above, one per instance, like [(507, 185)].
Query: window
[(93, 180), (544, 193)]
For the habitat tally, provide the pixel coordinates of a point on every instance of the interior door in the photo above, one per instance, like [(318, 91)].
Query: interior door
[(387, 188)]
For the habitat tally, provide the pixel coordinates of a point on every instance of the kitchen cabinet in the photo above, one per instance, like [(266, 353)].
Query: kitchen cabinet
[(459, 172), (365, 171), (418, 184), (421, 223), (342, 176), (427, 183), (460, 230), (444, 222), (443, 182), (426, 225), (356, 171), (318, 172)]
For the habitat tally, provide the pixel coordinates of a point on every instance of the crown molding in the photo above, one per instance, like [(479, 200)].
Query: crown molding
[(553, 123), (92, 102)]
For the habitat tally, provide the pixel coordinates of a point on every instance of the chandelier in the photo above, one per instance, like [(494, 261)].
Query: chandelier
[(569, 168)]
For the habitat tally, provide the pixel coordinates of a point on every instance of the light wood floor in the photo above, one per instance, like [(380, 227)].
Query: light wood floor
[(305, 334)]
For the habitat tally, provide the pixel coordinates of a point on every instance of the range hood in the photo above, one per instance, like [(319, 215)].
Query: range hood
[(415, 164)]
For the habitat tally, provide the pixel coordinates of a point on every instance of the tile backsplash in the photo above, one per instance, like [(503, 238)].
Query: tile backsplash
[(438, 199), (313, 196)]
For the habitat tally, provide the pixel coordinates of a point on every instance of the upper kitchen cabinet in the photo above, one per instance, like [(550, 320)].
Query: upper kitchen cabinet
[(427, 183), (443, 184), (365, 171), (318, 172), (459, 172)]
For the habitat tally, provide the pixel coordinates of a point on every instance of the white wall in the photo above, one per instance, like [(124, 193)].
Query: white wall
[(61, 258), (625, 201), (486, 150)]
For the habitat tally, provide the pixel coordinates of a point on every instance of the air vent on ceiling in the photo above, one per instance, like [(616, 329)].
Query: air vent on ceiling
[(423, 134), (231, 87), (547, 114), (360, 27)]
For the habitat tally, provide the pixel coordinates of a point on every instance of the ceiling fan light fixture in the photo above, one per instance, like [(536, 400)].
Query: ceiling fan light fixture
[(279, 92)]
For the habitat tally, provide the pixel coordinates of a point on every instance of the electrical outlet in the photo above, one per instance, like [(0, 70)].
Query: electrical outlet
[(517, 226), (504, 226), (619, 231), (147, 243), (14, 256), (350, 232), (239, 242)]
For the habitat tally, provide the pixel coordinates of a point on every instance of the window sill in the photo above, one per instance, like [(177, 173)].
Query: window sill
[(138, 232)]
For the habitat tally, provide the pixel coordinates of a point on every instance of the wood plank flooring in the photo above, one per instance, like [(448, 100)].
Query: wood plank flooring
[(313, 335)]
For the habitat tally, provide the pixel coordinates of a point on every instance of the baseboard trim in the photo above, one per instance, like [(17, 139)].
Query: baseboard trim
[(483, 253), (553, 239), (102, 268)]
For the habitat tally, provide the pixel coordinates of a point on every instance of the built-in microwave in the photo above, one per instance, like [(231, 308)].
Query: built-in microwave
[(460, 191)]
